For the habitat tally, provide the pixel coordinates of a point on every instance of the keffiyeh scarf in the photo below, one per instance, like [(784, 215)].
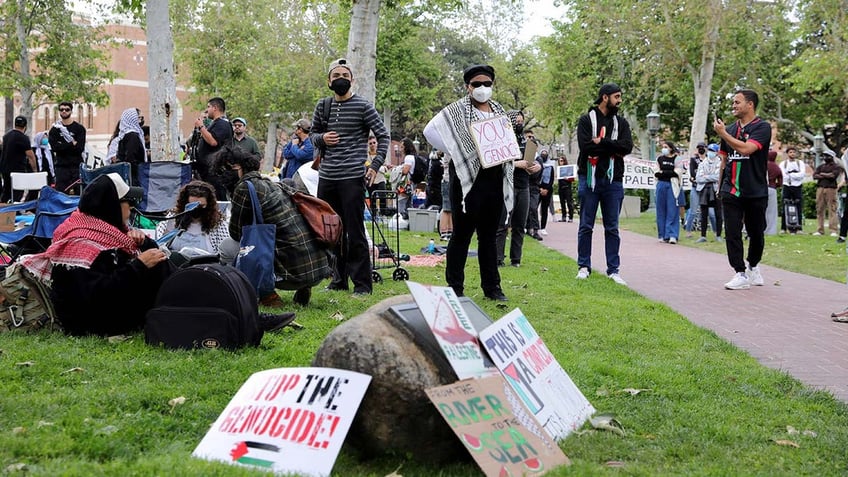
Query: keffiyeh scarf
[(453, 125), (77, 243), (593, 160)]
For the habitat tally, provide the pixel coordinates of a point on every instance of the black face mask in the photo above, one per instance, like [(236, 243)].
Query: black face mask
[(519, 129), (340, 86), (230, 178)]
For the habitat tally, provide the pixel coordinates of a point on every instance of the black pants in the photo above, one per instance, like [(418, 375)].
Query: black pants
[(751, 212), (793, 194), (705, 218), (544, 206), (517, 220), (67, 179), (566, 201), (482, 212), (533, 212), (347, 198), (843, 222)]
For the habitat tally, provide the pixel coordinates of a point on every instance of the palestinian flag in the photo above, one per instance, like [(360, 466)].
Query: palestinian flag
[(251, 453)]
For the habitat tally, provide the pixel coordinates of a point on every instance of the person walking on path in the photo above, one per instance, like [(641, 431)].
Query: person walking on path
[(604, 139), (744, 186)]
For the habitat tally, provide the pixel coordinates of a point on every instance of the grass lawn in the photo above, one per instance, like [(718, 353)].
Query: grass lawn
[(818, 256), (89, 407)]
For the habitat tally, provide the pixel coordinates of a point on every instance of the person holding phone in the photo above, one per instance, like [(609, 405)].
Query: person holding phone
[(744, 187)]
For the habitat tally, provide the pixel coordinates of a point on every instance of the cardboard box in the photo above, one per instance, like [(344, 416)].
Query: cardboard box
[(422, 220), (7, 220)]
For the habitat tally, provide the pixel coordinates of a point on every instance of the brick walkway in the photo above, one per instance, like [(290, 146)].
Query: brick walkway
[(785, 324)]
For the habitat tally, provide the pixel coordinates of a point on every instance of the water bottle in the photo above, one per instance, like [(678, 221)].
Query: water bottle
[(431, 247)]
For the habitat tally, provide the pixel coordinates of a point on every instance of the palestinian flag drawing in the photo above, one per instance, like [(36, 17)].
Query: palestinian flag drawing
[(250, 453)]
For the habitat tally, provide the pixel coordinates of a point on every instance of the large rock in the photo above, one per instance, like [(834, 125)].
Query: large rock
[(395, 416)]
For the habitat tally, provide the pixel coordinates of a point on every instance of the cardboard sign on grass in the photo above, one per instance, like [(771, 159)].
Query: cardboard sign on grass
[(495, 141), (452, 328), (498, 431), (529, 367), (287, 420)]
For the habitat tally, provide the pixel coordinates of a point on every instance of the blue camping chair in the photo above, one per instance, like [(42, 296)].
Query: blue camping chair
[(161, 182), (124, 169), (51, 209)]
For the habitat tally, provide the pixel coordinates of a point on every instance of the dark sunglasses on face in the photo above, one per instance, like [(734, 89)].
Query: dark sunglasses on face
[(477, 84), (65, 109)]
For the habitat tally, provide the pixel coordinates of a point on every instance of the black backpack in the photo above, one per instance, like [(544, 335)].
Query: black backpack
[(420, 172), (204, 306)]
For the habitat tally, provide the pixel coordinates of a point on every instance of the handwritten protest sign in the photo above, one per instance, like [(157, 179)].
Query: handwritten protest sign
[(287, 420), (452, 328), (537, 378), (495, 140), (496, 428)]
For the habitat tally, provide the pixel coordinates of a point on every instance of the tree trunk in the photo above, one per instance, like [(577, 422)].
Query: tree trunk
[(362, 46), (387, 118), (23, 58), (702, 80), (164, 128), (270, 144)]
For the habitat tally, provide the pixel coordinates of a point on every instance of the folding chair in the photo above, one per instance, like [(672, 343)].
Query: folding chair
[(87, 176), (27, 181), (51, 209), (161, 182)]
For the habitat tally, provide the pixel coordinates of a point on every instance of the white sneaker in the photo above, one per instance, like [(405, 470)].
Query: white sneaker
[(583, 273), (543, 232), (672, 240), (617, 279), (755, 277), (738, 282), (834, 234), (817, 234)]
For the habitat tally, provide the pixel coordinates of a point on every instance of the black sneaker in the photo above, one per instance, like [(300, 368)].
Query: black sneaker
[(496, 295), (270, 322)]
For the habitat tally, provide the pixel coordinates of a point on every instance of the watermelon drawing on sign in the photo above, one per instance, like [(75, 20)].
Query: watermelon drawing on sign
[(533, 464), (504, 472), (472, 442)]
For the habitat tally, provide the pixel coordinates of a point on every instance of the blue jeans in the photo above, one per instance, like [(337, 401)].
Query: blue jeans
[(693, 210), (668, 224), (609, 195)]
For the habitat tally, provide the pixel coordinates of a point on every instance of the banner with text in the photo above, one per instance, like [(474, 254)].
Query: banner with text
[(452, 328), (639, 174), (496, 428), (529, 367), (287, 420)]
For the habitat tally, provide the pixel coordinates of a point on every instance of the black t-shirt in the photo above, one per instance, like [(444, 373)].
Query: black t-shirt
[(13, 157), (747, 176), (222, 131)]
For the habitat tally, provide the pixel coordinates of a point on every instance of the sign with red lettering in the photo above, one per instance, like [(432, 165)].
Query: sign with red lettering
[(528, 366), (499, 432), (287, 420), (495, 140)]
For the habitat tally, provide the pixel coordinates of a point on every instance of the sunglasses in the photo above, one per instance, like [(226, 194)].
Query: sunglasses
[(65, 109), (477, 84)]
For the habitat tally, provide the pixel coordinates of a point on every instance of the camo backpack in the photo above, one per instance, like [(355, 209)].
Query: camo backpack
[(25, 302)]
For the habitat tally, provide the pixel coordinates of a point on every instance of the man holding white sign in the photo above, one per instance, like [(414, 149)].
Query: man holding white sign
[(478, 138)]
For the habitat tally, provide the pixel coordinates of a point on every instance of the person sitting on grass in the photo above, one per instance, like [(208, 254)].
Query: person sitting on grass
[(204, 228), (300, 262), (104, 276)]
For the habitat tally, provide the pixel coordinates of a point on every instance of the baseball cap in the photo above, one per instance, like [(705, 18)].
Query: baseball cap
[(125, 191), (340, 62), (20, 121), (828, 152), (713, 147), (475, 70), (240, 120), (701, 144), (303, 124)]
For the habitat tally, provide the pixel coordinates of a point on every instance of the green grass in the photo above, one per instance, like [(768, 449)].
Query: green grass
[(801, 253), (710, 409)]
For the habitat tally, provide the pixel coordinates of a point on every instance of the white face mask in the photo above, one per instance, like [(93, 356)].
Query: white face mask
[(665, 151), (711, 154), (482, 94)]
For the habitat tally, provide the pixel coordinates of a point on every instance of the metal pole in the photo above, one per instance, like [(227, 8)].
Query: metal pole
[(652, 155)]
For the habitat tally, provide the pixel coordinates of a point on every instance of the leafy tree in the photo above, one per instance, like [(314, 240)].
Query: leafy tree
[(48, 54)]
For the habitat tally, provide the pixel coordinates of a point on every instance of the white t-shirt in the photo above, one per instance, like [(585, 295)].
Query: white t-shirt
[(410, 161)]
